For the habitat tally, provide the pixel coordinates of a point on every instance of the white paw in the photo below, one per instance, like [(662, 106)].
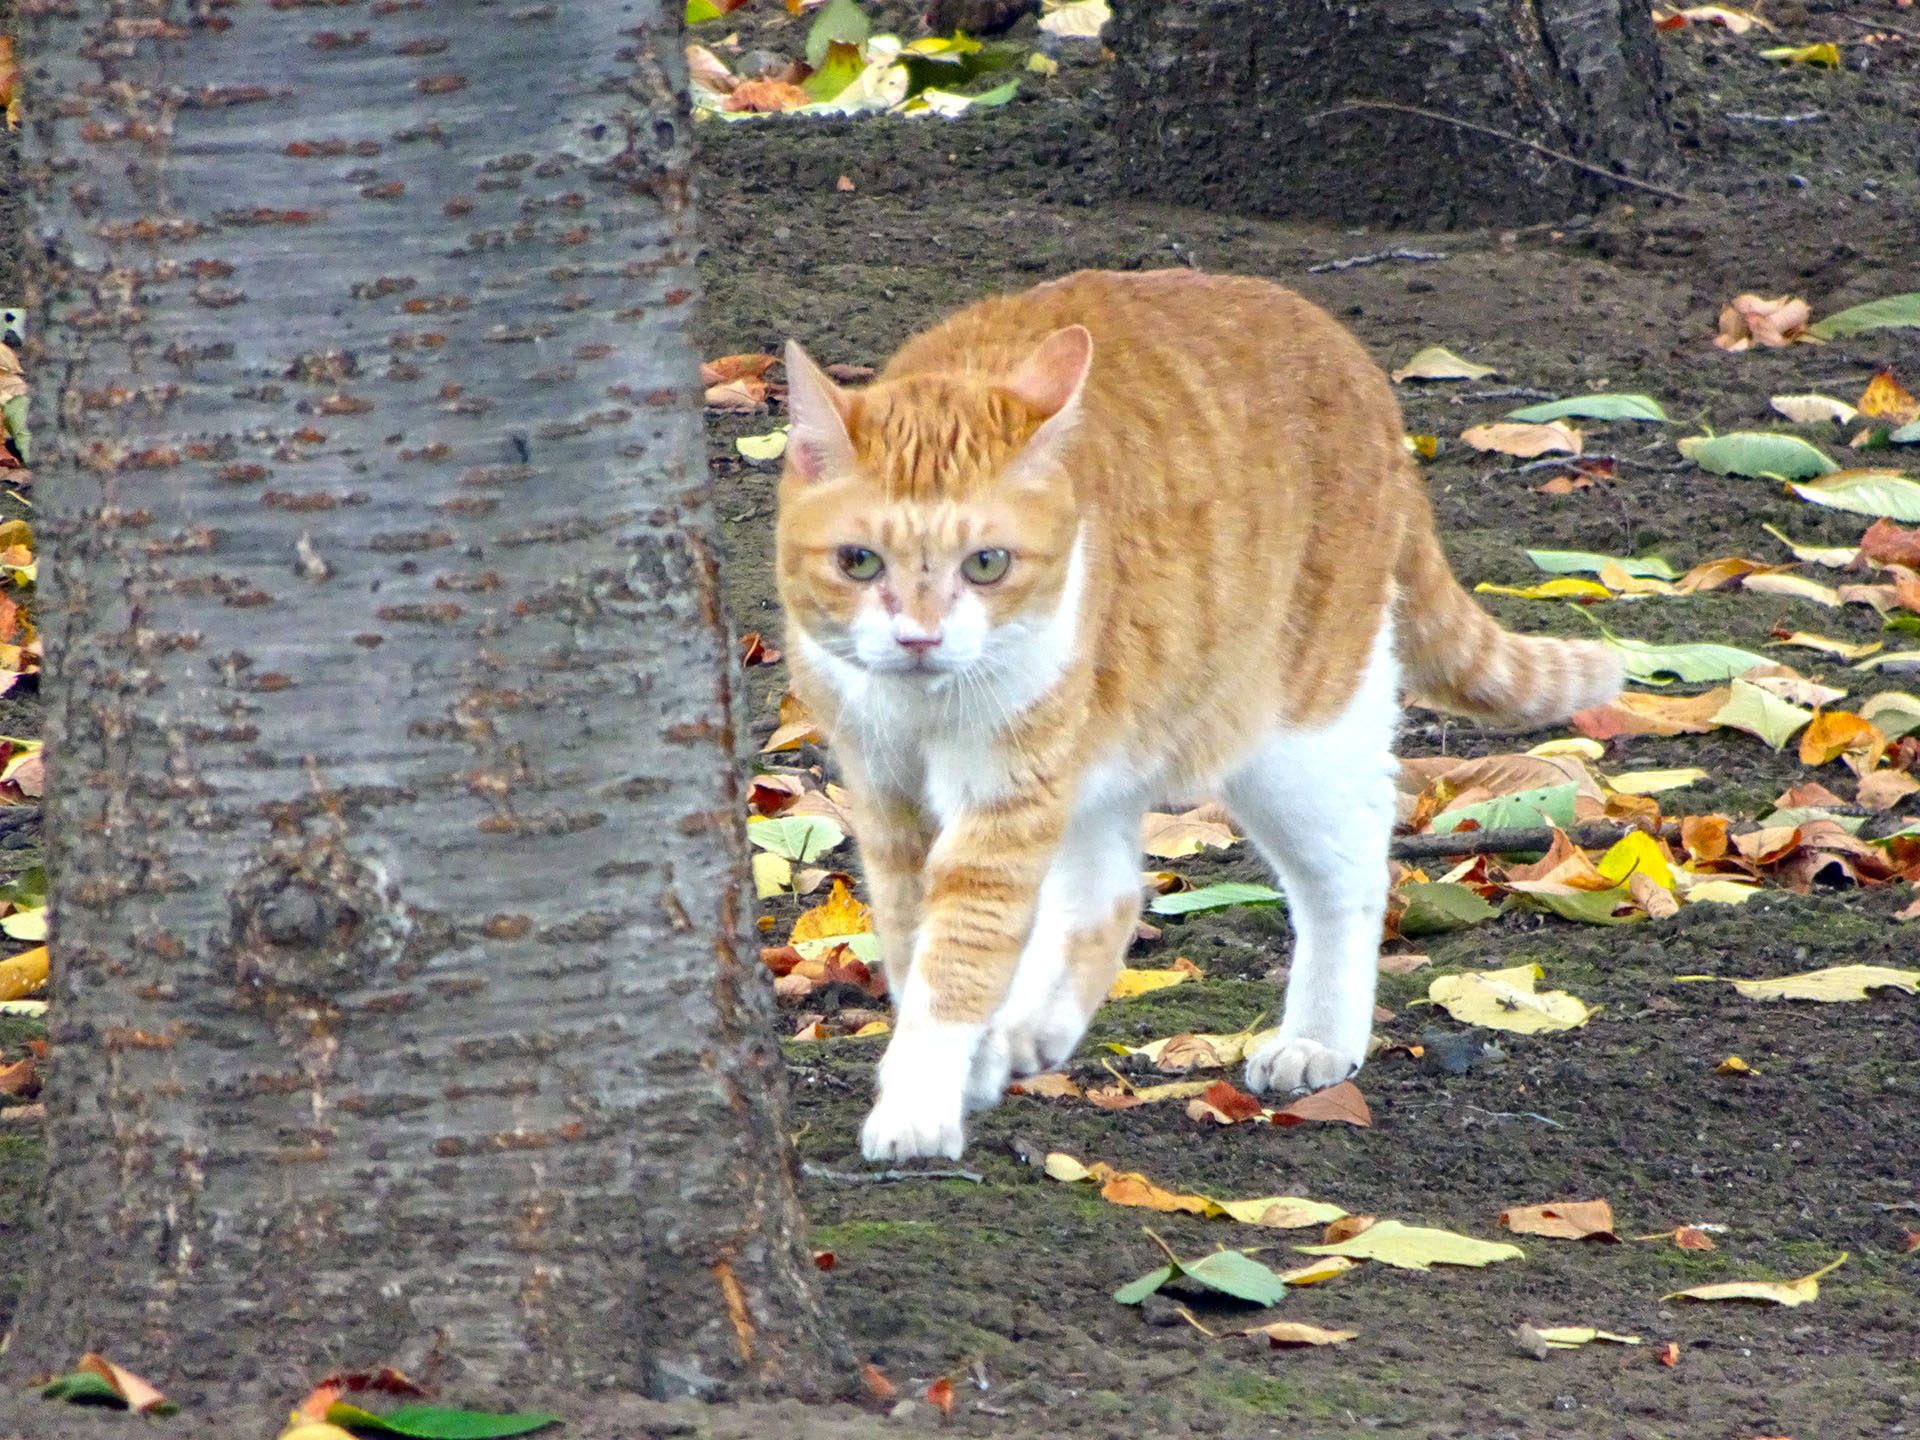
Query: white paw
[(1293, 1064), (1028, 1045), (992, 1069), (899, 1130)]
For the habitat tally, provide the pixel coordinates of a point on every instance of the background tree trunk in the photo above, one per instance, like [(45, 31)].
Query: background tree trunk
[(400, 1010), (1223, 103)]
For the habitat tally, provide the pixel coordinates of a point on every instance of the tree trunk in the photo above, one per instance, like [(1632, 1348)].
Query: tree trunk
[(401, 1012), (1237, 105)]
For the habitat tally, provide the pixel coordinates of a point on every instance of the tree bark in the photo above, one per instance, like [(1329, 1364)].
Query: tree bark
[(1237, 104), (401, 1012)]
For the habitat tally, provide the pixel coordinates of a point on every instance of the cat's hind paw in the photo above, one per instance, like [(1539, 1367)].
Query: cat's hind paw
[(1294, 1064)]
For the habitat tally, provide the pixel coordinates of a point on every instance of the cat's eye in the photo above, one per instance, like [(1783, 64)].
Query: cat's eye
[(983, 567), (859, 563)]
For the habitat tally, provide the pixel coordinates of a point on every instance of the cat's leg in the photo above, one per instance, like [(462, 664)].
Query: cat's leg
[(1320, 805), (895, 834), (1089, 905), (983, 878)]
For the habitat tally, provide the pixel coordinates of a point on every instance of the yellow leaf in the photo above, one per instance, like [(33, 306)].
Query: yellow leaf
[(1615, 577), (1063, 1167), (1813, 409), (837, 916), (1572, 1337), (1720, 892), (1825, 53), (1654, 782), (1278, 1212), (1734, 1065), (872, 1027), (1196, 1052), (1425, 446), (1767, 1292), (1506, 1000), (22, 974), (1131, 982), (1637, 851), (770, 446), (1327, 1267), (1561, 587), (1836, 735), (1042, 64), (1436, 362), (26, 924), (1577, 745), (1833, 984), (1844, 649), (772, 874), (1414, 1247), (1294, 1332), (1885, 398), (1517, 438), (1173, 837), (1797, 586)]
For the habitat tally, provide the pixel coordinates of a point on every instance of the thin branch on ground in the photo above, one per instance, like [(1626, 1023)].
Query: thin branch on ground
[(1590, 835), (1517, 1115), (885, 1177), (1805, 117), (1441, 117), (1378, 257)]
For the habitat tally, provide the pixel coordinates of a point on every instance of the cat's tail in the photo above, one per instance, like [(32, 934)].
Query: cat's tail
[(1456, 656)]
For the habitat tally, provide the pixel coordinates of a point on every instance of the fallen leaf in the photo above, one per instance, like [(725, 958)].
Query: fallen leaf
[(1669, 1354), (1892, 311), (1738, 22), (1345, 1227), (1767, 1292), (1825, 53), (1797, 587), (1884, 789), (940, 1396), (1835, 734), (1635, 713), (1342, 1103), (1813, 409), (1412, 1247), (1131, 982), (878, 1385), (23, 974), (765, 97), (1734, 1065), (1887, 493), (1228, 1271), (1843, 649), (1610, 406), (1050, 1086), (1328, 1267), (1760, 714), (1524, 441), (770, 446), (1076, 19), (1436, 362), (1692, 1237), (1196, 1052), (1562, 587), (839, 916), (1281, 1212), (1749, 320), (1655, 782), (139, 1396), (1832, 984), (796, 728), (1885, 398), (1225, 1105), (1756, 453), (1563, 1220), (1173, 837), (1572, 1337), (1506, 1000), (1282, 1334)]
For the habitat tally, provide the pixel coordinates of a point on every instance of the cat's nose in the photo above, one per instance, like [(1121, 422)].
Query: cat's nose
[(911, 636)]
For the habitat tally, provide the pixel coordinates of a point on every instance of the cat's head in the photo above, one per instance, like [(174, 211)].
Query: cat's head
[(926, 524)]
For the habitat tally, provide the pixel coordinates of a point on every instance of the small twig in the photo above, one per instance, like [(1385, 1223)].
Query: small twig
[(884, 1177), (1172, 1258), (1378, 257), (1885, 25), (1803, 118), (24, 1115), (1187, 1315), (1456, 121), (1511, 392), (1517, 1115)]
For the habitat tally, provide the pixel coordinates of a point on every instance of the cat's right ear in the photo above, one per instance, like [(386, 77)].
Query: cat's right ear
[(817, 442)]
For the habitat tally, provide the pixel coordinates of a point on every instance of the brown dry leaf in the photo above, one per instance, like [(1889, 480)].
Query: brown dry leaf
[(141, 1398), (19, 1078), (9, 82), (1050, 1086), (1635, 713), (1131, 1188), (1342, 1104), (1659, 902), (1884, 789), (1287, 1334), (751, 366), (709, 71), (1403, 964), (940, 1396), (1564, 484), (1886, 543), (1514, 437), (1174, 837), (878, 1386), (840, 914), (1725, 571), (1809, 795), (796, 728), (1346, 1227), (754, 650), (1563, 1220), (1692, 1237), (1704, 837), (1750, 320), (737, 397), (1225, 1105), (1839, 735), (1885, 398), (766, 97)]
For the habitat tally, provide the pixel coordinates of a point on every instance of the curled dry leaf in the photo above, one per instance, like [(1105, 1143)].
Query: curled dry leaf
[(141, 1397), (1436, 362), (766, 97), (877, 1383), (1885, 398), (1838, 735), (1513, 437), (1342, 1103), (1291, 1334), (1750, 320), (1173, 837), (796, 728), (1764, 1292), (1050, 1086), (940, 1396), (1886, 543), (1563, 1220)]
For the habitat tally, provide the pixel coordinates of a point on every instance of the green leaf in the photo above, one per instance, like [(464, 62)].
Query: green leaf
[(1700, 661), (701, 11), (1886, 493), (951, 67), (1893, 311), (1441, 906), (27, 890), (1522, 809), (1760, 712), (1771, 456), (83, 1387), (801, 838), (1588, 562), (838, 21), (839, 68), (1214, 897), (15, 414), (433, 1422), (1907, 434), (1238, 1275), (28, 925), (1592, 407), (1801, 814), (1134, 1291), (1586, 907)]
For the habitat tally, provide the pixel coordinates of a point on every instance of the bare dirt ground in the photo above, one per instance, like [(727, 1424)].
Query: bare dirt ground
[(1005, 1285)]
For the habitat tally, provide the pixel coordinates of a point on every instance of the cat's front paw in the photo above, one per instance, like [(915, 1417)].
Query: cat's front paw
[(900, 1129), (1293, 1064)]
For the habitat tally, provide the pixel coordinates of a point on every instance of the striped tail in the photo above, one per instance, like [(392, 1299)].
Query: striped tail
[(1456, 656)]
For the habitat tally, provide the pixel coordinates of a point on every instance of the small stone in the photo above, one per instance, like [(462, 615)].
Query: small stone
[(906, 1410), (1530, 1341)]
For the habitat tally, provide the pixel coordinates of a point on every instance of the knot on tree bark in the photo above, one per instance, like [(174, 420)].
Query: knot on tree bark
[(309, 924)]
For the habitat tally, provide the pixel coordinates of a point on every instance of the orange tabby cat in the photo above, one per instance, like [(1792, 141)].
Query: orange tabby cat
[(1076, 552)]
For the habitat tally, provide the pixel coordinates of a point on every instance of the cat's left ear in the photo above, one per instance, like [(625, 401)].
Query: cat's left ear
[(1050, 380), (817, 443)]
